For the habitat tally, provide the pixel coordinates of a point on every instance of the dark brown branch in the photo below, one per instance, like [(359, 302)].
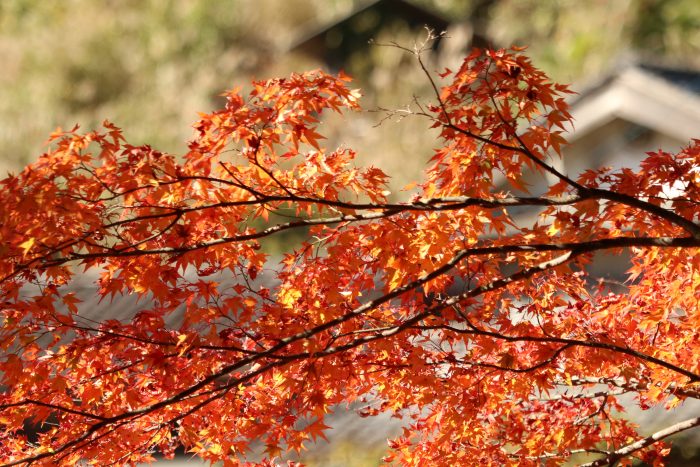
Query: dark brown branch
[(632, 385), (57, 407), (473, 329)]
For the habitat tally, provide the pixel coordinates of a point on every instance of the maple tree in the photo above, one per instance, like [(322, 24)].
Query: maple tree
[(485, 333)]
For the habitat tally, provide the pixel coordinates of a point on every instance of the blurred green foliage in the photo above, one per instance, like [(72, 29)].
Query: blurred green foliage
[(574, 39), (147, 65)]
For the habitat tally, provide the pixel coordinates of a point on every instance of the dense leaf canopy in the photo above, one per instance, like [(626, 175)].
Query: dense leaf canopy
[(482, 330)]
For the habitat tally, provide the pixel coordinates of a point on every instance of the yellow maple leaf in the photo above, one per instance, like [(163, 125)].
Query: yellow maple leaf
[(27, 245)]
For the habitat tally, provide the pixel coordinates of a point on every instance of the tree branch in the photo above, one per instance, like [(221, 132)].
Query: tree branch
[(618, 454)]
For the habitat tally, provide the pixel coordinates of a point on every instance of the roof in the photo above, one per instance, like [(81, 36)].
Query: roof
[(362, 24), (665, 100), (687, 79)]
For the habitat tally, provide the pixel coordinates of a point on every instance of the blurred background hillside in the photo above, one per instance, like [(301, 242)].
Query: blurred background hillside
[(150, 65)]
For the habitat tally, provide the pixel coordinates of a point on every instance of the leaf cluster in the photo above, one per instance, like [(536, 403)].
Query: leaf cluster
[(483, 332)]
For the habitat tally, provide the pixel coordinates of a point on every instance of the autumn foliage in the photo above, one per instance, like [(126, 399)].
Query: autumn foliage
[(484, 332)]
